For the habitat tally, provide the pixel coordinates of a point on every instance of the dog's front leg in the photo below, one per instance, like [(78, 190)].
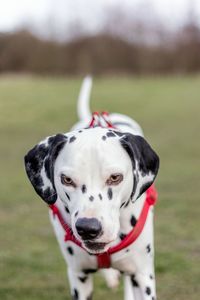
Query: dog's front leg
[(81, 285), (140, 287), (128, 288), (144, 286)]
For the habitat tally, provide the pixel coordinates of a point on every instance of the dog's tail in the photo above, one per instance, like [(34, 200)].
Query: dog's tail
[(83, 108)]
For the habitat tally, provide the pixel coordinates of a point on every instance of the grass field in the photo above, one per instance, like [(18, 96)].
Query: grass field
[(31, 266)]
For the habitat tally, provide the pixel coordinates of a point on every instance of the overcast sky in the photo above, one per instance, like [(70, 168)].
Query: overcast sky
[(15, 13)]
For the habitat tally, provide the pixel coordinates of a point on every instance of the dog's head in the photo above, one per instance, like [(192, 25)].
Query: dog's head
[(94, 172)]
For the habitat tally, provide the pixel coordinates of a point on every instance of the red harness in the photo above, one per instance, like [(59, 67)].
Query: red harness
[(104, 259)]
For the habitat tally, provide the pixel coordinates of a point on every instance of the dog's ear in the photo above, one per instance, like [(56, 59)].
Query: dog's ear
[(145, 163), (39, 165)]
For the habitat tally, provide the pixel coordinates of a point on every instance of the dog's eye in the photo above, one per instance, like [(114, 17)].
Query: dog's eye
[(67, 181), (114, 179)]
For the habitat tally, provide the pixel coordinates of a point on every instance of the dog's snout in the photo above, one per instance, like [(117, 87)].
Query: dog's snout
[(88, 228)]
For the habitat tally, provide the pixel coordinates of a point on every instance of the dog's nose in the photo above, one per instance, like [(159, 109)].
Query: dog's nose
[(88, 228)]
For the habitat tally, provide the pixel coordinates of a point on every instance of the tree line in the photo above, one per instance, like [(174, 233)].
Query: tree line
[(107, 52)]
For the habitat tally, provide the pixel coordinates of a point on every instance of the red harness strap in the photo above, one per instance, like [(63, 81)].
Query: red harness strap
[(104, 259), (68, 232)]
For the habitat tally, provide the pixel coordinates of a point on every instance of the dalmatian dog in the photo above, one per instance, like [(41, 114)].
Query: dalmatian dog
[(98, 177)]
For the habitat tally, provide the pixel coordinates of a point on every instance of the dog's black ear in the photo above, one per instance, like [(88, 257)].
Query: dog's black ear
[(39, 165), (145, 163)]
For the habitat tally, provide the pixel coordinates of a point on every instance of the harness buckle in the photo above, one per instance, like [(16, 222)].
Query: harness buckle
[(103, 260)]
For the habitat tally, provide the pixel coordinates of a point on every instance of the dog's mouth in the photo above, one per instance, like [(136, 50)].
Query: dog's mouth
[(95, 247)]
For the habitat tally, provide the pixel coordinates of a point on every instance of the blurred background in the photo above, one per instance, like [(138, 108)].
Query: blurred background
[(144, 56), (100, 37)]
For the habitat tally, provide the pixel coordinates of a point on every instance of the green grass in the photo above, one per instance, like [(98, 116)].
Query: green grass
[(31, 266)]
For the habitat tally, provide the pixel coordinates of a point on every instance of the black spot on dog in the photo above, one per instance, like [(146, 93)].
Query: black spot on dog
[(144, 188), (84, 189), (122, 236), (80, 131), (122, 204), (110, 193), (67, 209), (34, 163), (103, 137), (127, 250), (134, 281), (100, 197), (72, 139), (68, 197), (135, 182), (148, 290), (76, 213), (127, 203), (57, 145), (50, 195), (89, 271), (148, 247), (110, 134), (75, 295), (70, 250), (91, 198), (151, 276), (38, 182), (53, 140), (83, 279), (133, 220), (153, 298)]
